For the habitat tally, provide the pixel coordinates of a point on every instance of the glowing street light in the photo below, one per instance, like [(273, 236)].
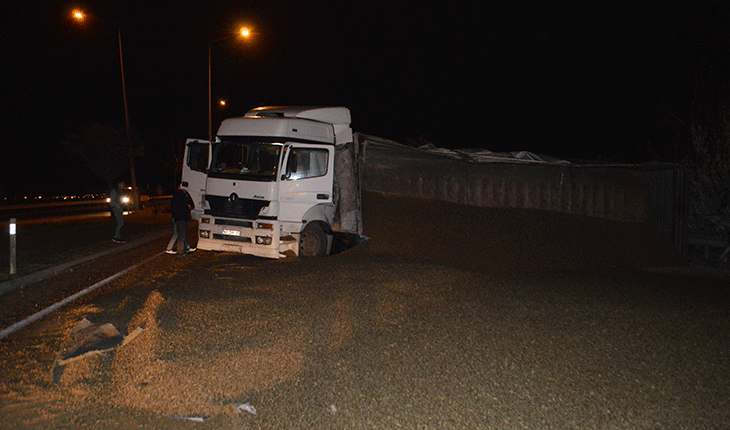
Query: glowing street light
[(244, 32), (80, 16)]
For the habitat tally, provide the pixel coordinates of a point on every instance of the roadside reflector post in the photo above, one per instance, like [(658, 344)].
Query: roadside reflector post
[(13, 244)]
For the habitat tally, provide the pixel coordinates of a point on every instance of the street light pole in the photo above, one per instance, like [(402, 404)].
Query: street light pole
[(79, 16), (133, 178), (243, 32), (210, 96)]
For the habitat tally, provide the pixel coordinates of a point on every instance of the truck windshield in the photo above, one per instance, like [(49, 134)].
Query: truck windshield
[(245, 159)]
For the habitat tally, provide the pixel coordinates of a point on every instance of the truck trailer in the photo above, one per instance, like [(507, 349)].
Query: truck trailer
[(279, 181)]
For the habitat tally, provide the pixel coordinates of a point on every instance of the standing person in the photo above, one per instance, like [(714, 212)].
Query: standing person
[(115, 201), (171, 245), (180, 208)]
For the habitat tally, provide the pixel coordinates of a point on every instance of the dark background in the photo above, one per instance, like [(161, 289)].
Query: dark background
[(602, 80)]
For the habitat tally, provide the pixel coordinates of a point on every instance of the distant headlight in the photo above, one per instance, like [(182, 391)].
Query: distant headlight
[(125, 199), (108, 200)]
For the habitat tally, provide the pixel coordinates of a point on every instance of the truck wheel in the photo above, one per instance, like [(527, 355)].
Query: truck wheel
[(313, 241)]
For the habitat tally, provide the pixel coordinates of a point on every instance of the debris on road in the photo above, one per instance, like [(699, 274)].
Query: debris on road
[(189, 418), (245, 407), (88, 339)]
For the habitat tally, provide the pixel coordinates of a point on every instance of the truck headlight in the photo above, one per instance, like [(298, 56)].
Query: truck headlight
[(263, 240), (205, 234)]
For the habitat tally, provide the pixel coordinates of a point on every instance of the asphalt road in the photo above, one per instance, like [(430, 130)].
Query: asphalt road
[(47, 243), (370, 338), (355, 342)]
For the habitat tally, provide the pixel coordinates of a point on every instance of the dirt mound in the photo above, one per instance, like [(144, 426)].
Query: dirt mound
[(506, 239)]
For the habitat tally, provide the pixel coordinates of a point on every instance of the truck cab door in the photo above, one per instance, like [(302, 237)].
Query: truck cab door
[(306, 179), (195, 172)]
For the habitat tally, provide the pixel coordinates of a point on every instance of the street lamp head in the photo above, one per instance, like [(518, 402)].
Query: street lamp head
[(78, 15), (245, 32)]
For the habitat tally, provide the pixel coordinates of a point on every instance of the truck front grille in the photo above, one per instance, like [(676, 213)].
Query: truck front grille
[(231, 238), (240, 208)]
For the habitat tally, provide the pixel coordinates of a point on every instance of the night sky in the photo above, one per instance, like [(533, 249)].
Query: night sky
[(600, 80)]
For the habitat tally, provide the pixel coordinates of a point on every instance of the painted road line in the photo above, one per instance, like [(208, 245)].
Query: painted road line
[(38, 315)]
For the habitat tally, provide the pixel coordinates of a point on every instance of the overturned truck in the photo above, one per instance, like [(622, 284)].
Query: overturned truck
[(278, 181)]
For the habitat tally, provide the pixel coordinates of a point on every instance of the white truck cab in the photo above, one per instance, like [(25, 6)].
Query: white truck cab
[(266, 185)]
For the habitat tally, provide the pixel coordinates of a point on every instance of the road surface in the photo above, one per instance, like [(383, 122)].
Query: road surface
[(370, 338)]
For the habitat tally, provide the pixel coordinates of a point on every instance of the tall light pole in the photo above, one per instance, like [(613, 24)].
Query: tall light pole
[(243, 32), (80, 16)]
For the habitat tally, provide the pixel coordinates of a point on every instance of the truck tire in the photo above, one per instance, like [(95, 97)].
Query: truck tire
[(313, 241)]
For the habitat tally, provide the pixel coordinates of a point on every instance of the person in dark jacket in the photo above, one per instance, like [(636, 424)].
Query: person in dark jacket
[(180, 208), (117, 207)]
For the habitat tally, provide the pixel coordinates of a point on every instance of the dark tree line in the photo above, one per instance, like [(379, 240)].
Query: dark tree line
[(104, 149), (708, 157)]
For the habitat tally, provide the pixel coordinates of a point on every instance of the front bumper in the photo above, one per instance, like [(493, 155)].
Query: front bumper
[(254, 237)]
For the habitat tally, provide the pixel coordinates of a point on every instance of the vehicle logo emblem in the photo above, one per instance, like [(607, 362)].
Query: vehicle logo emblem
[(233, 198)]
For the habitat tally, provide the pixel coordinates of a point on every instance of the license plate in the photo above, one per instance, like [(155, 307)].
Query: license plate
[(227, 232)]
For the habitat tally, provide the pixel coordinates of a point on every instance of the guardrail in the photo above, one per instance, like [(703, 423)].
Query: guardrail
[(60, 208), (42, 210)]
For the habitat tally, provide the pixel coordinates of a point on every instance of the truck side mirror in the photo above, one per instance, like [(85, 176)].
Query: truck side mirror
[(292, 163)]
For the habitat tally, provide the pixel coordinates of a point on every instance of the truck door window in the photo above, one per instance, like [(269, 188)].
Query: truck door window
[(307, 163), (198, 156)]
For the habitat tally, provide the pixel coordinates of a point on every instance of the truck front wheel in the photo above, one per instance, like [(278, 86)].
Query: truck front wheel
[(313, 241)]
